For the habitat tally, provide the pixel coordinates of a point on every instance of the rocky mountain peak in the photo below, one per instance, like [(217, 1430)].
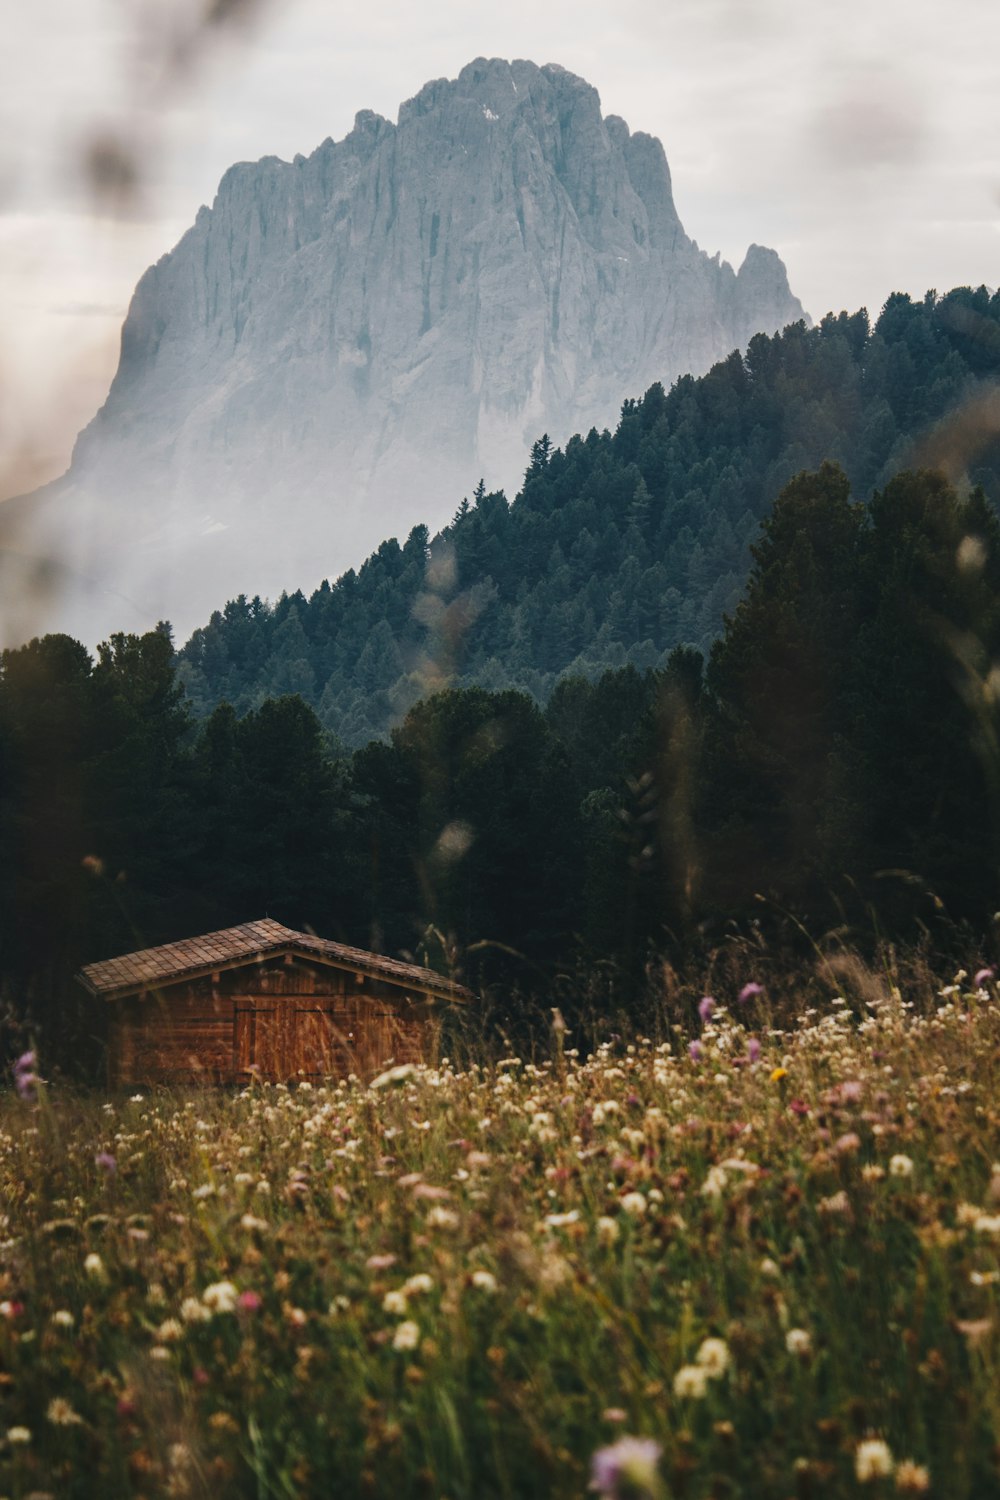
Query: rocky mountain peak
[(343, 344)]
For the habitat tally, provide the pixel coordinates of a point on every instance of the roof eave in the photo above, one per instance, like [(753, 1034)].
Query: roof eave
[(446, 992)]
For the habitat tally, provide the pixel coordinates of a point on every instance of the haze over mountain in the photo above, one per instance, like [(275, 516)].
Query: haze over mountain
[(342, 345)]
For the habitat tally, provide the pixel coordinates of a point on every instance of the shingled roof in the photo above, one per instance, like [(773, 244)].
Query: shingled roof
[(151, 968)]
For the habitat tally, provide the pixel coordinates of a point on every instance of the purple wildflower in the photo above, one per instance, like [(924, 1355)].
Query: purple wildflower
[(706, 1007), (25, 1078), (694, 1050), (753, 1049), (983, 977), (106, 1162), (750, 991), (627, 1467)]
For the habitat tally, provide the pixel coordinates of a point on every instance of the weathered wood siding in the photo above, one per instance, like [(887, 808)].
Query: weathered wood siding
[(276, 1021)]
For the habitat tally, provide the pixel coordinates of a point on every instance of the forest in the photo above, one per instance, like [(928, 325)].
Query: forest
[(622, 546), (834, 762)]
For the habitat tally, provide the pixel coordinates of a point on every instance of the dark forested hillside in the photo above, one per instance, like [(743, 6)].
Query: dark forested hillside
[(626, 544), (838, 756)]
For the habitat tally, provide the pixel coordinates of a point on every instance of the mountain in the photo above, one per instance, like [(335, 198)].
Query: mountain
[(623, 545), (347, 341)]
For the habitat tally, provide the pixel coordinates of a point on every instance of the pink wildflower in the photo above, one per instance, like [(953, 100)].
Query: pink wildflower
[(26, 1080), (750, 992), (706, 1007), (627, 1467)]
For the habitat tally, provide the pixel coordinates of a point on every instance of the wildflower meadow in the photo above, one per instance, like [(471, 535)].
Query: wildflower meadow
[(758, 1260)]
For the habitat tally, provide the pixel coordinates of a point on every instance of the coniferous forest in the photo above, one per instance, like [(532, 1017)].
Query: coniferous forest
[(813, 746), (623, 545)]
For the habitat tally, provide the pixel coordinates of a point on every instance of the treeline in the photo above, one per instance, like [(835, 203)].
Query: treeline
[(621, 546), (839, 752)]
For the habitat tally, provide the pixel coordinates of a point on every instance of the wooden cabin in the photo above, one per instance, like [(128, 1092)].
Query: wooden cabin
[(261, 1001)]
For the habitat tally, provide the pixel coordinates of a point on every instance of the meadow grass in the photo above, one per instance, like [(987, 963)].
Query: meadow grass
[(772, 1255)]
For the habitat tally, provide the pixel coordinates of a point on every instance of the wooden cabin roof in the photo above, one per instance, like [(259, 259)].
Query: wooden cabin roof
[(151, 968)]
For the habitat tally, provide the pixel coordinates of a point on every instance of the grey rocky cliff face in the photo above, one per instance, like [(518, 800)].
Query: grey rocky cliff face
[(345, 343)]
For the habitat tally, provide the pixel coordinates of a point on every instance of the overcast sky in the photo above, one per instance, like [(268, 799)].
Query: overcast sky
[(860, 139)]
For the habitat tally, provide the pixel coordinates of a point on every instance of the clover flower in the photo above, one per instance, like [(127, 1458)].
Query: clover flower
[(706, 1007), (750, 992)]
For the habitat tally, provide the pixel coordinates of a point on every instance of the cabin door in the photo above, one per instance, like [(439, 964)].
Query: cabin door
[(261, 1041), (283, 1038)]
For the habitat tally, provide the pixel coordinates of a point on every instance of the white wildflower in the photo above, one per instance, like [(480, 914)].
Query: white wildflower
[(690, 1383), (872, 1460), (407, 1336), (714, 1358), (607, 1230), (220, 1297)]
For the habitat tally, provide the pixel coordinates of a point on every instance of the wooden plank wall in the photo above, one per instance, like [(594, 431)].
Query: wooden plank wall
[(276, 1021)]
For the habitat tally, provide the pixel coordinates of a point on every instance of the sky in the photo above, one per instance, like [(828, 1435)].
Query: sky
[(860, 140)]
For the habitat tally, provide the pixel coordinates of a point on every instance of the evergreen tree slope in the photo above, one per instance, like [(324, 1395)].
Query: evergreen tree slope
[(622, 545)]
